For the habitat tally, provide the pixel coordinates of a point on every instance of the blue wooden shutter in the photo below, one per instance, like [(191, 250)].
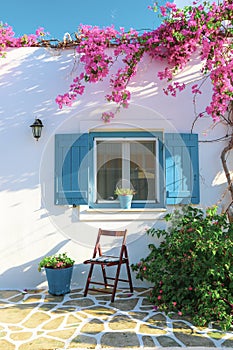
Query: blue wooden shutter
[(71, 169), (182, 169)]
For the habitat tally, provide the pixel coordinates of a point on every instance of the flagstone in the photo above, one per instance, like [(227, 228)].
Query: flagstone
[(79, 302), (119, 340), (6, 294), (103, 298), (82, 341), (76, 295), (16, 298), (73, 321), (21, 335), (148, 329), (146, 308), (62, 334), (166, 341), (175, 316), (125, 295), (80, 314), (32, 298), (228, 343), (148, 341), (145, 301), (6, 345), (54, 323), (189, 337), (93, 327), (63, 310), (99, 312), (46, 307), (53, 298), (142, 291), (180, 326), (15, 313), (138, 315), (158, 320), (125, 305), (121, 322), (42, 343), (36, 319), (216, 335), (16, 328)]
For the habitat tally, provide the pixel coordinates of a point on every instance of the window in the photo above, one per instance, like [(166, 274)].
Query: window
[(126, 159), (162, 168), (126, 163)]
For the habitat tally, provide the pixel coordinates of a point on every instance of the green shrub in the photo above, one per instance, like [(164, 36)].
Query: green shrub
[(192, 269)]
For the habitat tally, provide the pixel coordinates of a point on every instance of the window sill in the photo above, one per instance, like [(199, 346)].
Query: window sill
[(118, 214)]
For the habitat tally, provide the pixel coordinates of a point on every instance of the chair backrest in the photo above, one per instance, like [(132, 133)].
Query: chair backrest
[(110, 233)]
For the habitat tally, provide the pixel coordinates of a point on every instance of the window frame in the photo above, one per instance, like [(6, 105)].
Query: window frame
[(128, 136)]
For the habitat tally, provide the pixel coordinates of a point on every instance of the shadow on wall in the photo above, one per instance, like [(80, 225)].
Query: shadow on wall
[(27, 276), (29, 83)]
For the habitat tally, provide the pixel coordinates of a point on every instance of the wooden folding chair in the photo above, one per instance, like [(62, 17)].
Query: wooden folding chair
[(99, 258)]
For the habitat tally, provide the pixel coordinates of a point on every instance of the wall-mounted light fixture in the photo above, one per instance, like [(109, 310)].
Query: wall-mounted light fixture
[(37, 128)]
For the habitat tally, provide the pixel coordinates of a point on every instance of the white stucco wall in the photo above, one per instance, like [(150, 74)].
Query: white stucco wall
[(31, 225)]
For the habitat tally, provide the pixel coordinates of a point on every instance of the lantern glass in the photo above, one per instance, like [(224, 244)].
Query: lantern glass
[(37, 128)]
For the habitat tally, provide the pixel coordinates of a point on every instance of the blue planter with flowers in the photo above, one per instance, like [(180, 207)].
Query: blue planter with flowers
[(59, 280)]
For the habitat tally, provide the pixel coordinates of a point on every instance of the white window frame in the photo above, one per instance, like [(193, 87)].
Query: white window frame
[(126, 153)]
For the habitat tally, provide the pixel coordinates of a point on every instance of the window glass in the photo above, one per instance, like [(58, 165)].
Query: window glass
[(142, 169), (130, 163), (109, 168)]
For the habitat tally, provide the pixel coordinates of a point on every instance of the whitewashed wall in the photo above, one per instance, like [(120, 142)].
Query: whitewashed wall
[(31, 225)]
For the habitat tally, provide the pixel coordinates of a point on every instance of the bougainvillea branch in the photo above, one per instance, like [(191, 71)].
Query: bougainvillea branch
[(206, 28)]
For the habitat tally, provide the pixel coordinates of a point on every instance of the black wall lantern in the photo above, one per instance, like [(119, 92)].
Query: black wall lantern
[(37, 128)]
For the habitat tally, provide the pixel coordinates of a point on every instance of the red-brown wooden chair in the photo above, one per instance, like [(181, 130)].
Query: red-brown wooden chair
[(99, 258)]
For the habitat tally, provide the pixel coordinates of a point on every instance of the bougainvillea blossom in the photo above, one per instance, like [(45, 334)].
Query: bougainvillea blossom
[(206, 28)]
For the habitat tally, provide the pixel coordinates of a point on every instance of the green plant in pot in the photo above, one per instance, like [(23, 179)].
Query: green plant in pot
[(125, 196), (58, 269)]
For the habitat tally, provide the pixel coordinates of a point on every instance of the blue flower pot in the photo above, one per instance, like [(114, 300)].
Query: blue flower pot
[(59, 280), (125, 201)]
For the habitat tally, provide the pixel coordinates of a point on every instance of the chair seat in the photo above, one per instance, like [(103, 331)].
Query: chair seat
[(104, 259)]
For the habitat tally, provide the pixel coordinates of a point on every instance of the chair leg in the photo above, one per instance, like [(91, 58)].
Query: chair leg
[(129, 277), (88, 280), (116, 282), (104, 276)]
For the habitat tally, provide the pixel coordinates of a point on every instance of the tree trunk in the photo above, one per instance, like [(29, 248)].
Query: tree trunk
[(224, 153)]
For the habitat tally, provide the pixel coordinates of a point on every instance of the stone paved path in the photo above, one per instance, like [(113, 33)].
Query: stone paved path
[(36, 320)]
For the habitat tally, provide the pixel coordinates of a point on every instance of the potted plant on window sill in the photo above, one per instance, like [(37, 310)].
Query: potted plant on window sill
[(125, 196), (58, 269)]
